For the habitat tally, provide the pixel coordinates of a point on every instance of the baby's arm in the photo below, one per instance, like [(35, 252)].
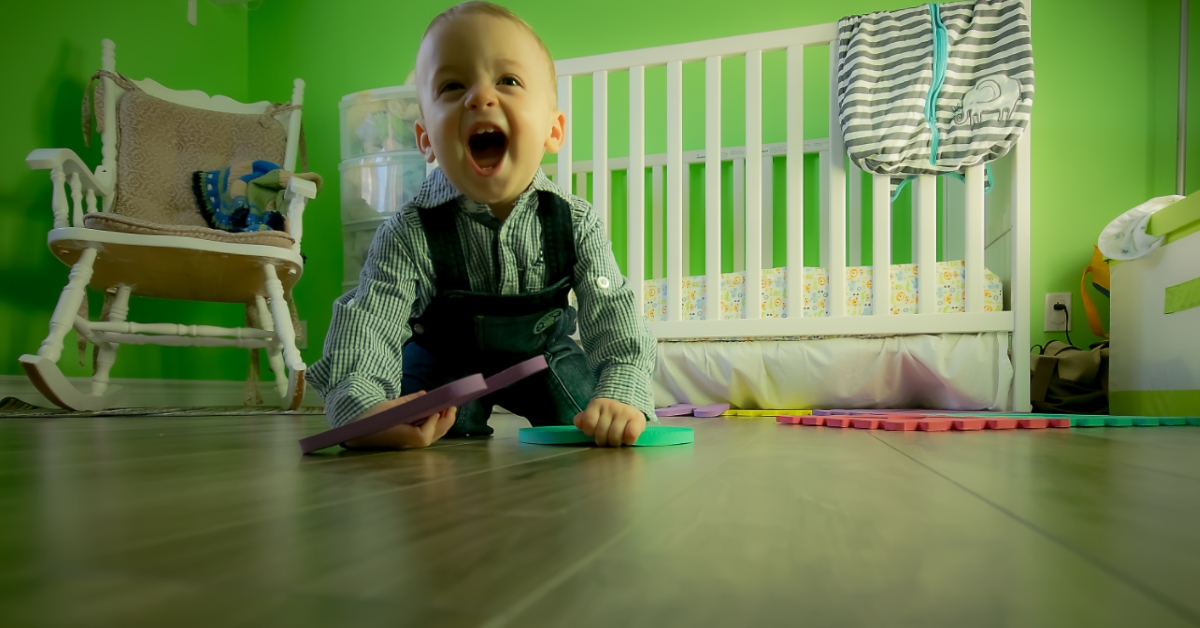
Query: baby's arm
[(360, 371), (615, 338)]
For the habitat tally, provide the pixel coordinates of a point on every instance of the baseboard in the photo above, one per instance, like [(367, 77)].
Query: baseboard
[(160, 393)]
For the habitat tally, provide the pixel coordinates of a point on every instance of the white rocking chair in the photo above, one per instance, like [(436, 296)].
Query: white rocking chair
[(172, 255)]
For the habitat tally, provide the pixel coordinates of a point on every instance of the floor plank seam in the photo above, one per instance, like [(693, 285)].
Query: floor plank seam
[(1183, 612)]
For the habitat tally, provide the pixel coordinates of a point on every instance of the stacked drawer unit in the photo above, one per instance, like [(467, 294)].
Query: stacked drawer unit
[(381, 169)]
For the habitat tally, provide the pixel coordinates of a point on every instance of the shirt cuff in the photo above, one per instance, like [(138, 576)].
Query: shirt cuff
[(629, 385), (351, 398)]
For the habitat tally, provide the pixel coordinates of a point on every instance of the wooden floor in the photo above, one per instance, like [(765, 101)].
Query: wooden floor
[(221, 522)]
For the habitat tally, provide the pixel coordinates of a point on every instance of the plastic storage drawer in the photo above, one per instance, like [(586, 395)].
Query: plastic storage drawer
[(379, 121), (356, 241), (380, 185)]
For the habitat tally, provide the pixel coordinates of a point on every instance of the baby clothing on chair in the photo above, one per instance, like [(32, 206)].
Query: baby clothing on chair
[(246, 196), (934, 89)]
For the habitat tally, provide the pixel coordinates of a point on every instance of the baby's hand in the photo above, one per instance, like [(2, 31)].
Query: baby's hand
[(415, 436), (612, 423)]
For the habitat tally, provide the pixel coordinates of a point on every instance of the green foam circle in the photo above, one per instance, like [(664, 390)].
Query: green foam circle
[(654, 436)]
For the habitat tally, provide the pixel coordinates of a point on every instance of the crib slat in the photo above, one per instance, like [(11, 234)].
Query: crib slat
[(712, 188), (636, 184), (752, 304), (563, 176), (600, 149), (687, 219), (975, 240), (675, 191), (837, 197), (925, 204), (823, 213), (581, 185), (739, 215), (881, 245), (795, 181), (656, 234), (854, 217), (768, 212)]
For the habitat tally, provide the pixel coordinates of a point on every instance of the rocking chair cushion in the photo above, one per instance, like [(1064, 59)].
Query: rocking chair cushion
[(129, 224), (162, 143)]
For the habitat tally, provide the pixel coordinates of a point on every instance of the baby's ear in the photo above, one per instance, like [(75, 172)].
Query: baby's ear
[(424, 144), (558, 125)]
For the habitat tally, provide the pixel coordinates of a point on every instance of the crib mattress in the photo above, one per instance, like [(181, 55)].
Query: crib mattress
[(947, 371), (951, 291)]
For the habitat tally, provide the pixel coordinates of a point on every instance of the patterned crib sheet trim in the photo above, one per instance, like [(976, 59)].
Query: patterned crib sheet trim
[(950, 292)]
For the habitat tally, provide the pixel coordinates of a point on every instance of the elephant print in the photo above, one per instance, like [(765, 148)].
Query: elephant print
[(994, 94)]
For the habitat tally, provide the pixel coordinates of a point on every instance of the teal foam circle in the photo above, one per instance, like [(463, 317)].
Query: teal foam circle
[(654, 436)]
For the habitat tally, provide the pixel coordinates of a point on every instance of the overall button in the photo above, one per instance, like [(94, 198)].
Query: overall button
[(602, 282), (418, 329)]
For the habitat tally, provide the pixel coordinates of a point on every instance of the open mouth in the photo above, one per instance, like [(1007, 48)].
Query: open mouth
[(487, 146)]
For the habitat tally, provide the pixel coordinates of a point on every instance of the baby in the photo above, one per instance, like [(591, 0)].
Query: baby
[(473, 275)]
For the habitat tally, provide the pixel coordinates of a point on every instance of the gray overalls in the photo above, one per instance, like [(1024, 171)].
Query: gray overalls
[(463, 332)]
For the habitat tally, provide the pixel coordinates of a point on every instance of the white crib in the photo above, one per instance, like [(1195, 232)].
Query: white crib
[(973, 227)]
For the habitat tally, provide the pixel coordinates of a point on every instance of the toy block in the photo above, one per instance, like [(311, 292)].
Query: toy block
[(1087, 421), (794, 420), (968, 424), (934, 425), (1119, 421), (1172, 420), (1033, 424), (812, 420), (1002, 424), (1147, 421)]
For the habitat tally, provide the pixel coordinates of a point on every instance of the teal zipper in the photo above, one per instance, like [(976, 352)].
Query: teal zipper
[(941, 55)]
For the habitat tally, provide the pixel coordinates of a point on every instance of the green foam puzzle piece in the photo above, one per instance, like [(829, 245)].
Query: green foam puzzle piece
[(1146, 421), (1087, 421), (1172, 420), (1193, 421), (1118, 421), (654, 436)]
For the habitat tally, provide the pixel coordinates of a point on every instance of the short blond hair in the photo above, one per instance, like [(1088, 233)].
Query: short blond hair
[(480, 7)]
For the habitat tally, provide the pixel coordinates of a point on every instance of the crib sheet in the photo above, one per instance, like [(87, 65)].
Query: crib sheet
[(950, 292)]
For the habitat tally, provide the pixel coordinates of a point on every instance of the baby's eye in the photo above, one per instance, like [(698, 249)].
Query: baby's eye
[(510, 81), (452, 85)]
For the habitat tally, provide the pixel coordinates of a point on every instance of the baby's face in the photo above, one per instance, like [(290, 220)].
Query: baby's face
[(487, 108)]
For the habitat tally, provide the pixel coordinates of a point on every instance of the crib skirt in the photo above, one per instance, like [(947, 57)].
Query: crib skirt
[(945, 371)]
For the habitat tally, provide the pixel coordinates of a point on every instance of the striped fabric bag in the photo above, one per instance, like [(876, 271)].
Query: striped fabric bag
[(936, 88)]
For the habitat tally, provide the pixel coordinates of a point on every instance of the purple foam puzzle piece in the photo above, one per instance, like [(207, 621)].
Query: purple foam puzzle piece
[(509, 376), (435, 401), (679, 409), (711, 410)]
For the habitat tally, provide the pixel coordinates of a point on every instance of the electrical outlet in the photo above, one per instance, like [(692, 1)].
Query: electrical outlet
[(1057, 320), (302, 335)]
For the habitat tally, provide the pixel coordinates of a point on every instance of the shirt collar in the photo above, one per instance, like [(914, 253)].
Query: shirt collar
[(437, 190)]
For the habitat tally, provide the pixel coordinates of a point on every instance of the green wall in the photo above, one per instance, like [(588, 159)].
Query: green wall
[(52, 49), (1103, 134)]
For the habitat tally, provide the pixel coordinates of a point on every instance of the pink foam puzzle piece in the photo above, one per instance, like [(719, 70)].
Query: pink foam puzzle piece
[(934, 425), (812, 420), (1001, 424), (968, 424), (679, 409), (793, 420), (899, 425), (418, 409), (866, 422), (1033, 424), (711, 410), (1060, 422), (839, 421)]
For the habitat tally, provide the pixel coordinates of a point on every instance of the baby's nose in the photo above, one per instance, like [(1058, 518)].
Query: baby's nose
[(482, 97)]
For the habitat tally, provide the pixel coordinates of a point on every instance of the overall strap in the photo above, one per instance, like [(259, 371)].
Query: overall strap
[(558, 237), (445, 247)]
